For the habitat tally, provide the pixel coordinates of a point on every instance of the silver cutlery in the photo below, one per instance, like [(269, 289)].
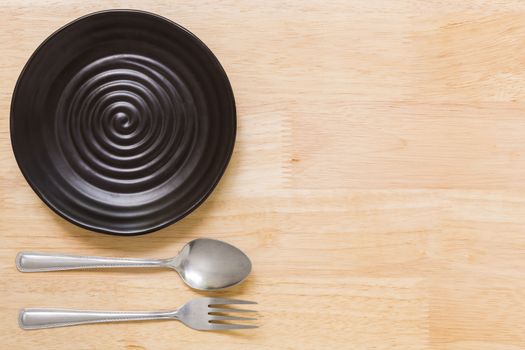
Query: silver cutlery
[(204, 314), (204, 264)]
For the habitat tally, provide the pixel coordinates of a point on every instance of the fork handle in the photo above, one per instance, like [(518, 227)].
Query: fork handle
[(38, 262), (52, 318)]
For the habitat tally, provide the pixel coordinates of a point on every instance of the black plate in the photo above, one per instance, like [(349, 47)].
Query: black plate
[(123, 122)]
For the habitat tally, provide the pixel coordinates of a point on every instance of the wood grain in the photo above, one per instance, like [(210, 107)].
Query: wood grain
[(377, 182)]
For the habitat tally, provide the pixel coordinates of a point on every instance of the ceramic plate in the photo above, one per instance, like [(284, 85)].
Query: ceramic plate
[(123, 122)]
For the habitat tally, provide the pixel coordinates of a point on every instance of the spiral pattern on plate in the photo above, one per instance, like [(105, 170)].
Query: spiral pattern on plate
[(123, 122), (126, 122)]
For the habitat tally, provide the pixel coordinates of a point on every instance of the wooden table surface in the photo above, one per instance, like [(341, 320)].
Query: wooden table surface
[(378, 181)]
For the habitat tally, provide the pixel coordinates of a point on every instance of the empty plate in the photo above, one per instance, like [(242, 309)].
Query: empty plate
[(123, 122)]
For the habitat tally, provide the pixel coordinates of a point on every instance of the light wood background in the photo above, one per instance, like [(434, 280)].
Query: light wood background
[(378, 181)]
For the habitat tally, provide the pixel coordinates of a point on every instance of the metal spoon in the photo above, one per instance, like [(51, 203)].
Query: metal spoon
[(204, 264)]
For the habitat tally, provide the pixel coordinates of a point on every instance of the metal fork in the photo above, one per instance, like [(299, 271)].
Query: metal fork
[(203, 314)]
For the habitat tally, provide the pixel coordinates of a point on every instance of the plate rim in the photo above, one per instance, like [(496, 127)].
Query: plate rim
[(216, 180)]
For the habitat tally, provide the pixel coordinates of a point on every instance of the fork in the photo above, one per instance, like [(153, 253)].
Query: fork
[(203, 314)]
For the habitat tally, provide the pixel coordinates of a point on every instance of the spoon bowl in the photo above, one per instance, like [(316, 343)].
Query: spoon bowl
[(209, 264)]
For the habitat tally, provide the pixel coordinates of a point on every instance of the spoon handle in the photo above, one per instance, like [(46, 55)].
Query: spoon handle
[(39, 262)]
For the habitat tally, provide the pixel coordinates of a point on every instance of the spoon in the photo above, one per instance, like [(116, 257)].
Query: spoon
[(204, 264)]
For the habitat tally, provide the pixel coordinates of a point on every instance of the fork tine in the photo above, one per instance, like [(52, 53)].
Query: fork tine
[(223, 310), (230, 318), (224, 326), (224, 301)]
